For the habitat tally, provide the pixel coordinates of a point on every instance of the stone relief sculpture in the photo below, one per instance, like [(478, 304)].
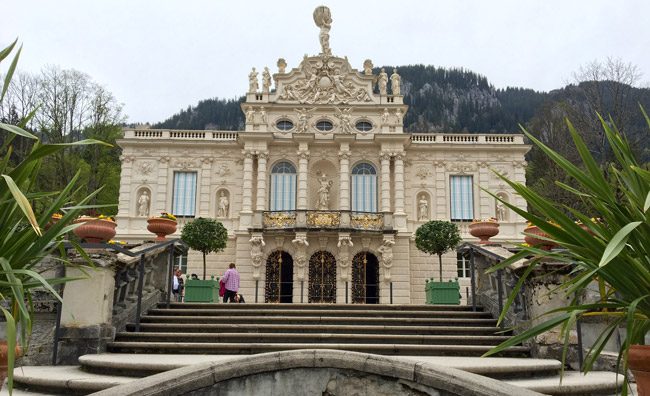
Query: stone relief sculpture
[(395, 81), (224, 205), (399, 117), (303, 119), (143, 203), (324, 192), (384, 116), (263, 119), (501, 210), (367, 67), (346, 119), (382, 82), (257, 255), (386, 251), (282, 65), (423, 208), (323, 19), (266, 80), (300, 258), (250, 115), (253, 84), (344, 245)]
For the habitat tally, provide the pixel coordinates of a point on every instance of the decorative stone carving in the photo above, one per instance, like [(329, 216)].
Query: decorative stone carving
[(127, 158), (184, 164), (223, 170), (345, 154), (323, 219), (164, 159), (346, 119), (325, 82), (282, 65), (279, 219), (395, 81), (262, 114), (253, 84), (146, 168), (266, 80), (501, 210), (367, 67), (144, 201), (323, 19), (382, 82), (384, 116), (223, 207), (300, 256), (257, 254), (324, 192), (344, 244), (399, 117), (250, 115), (386, 259), (367, 221), (423, 172), (461, 167), (423, 208), (303, 119)]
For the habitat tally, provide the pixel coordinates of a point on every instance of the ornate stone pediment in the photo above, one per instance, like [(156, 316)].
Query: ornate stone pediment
[(324, 79)]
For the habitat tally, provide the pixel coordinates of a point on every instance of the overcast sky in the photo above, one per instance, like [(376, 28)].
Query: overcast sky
[(160, 56)]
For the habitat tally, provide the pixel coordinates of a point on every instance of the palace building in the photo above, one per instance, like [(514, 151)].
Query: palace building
[(322, 191)]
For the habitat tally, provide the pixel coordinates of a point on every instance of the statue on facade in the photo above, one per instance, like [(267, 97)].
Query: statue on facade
[(399, 116), (250, 115), (324, 192), (382, 82), (384, 116), (344, 245), (367, 67), (395, 81), (263, 119), (143, 203), (346, 119), (323, 19), (224, 205), (266, 80), (282, 65), (301, 245), (423, 208), (257, 255), (501, 211), (386, 251), (253, 84), (303, 119)]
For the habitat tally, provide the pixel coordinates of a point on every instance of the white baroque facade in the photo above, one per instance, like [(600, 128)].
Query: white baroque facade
[(323, 191)]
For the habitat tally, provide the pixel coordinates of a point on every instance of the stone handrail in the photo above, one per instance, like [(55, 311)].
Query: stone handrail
[(465, 138), (325, 219), (225, 136)]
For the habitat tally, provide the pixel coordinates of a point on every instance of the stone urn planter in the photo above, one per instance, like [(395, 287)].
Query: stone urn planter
[(484, 230), (638, 359), (537, 242), (94, 230), (161, 227)]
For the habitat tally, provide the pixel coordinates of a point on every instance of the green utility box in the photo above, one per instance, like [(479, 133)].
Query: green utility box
[(442, 292), (197, 290)]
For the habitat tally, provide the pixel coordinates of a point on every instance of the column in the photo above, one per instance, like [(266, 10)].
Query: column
[(303, 162), (344, 179), (247, 185), (385, 181), (399, 183), (204, 181), (262, 156)]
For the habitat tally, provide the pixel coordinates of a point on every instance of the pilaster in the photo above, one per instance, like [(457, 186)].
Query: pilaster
[(385, 181), (262, 157), (344, 179), (247, 185), (303, 164)]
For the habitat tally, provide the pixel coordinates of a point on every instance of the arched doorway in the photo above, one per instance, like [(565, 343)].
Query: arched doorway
[(279, 278), (365, 278), (322, 278)]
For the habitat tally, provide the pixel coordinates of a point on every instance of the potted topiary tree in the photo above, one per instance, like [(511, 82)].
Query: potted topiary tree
[(438, 237), (207, 236), (611, 252)]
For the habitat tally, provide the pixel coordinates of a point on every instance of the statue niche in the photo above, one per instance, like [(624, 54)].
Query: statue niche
[(143, 205), (422, 212), (223, 203), (500, 209), (323, 186)]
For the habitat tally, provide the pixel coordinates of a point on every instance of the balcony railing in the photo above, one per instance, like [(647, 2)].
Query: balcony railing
[(326, 219)]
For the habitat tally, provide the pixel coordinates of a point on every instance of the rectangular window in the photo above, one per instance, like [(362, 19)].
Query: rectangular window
[(184, 197), (364, 193), (180, 261), (462, 263), (462, 202), (283, 192)]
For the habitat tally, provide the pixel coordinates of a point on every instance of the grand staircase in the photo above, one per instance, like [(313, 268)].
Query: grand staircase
[(188, 333), (422, 330)]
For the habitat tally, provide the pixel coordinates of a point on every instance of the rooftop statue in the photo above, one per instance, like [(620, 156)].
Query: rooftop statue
[(323, 19)]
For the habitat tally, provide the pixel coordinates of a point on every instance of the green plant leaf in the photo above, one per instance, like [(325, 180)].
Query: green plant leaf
[(10, 73), (616, 245), (17, 130), (5, 52), (23, 203)]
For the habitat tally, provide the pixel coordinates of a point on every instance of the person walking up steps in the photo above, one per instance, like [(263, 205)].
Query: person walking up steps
[(231, 280)]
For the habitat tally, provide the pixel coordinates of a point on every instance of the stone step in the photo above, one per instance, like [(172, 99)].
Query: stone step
[(254, 348), (64, 380), (340, 338), (315, 306), (379, 313), (312, 328), (573, 383), (301, 320)]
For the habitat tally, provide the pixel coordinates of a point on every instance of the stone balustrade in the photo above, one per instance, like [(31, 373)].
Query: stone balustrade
[(326, 219), (465, 138), (180, 134)]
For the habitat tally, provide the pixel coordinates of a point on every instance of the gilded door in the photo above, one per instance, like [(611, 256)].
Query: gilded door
[(322, 278), (365, 279), (278, 287)]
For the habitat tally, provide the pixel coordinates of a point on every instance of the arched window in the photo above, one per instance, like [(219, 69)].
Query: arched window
[(283, 186), (364, 188)]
